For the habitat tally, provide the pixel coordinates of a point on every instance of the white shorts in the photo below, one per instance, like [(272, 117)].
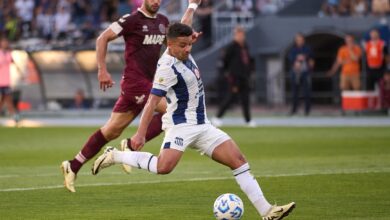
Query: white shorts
[(204, 138)]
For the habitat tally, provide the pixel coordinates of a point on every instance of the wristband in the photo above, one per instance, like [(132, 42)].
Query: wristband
[(193, 6)]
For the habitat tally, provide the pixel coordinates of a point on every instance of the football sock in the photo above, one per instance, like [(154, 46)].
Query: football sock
[(250, 186), (153, 131), (95, 142), (142, 160)]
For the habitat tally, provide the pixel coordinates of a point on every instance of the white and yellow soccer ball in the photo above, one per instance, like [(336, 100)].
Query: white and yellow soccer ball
[(228, 207)]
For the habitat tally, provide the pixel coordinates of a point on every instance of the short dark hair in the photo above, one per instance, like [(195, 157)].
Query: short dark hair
[(176, 30)]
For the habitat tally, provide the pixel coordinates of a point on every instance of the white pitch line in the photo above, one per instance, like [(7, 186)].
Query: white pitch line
[(194, 179)]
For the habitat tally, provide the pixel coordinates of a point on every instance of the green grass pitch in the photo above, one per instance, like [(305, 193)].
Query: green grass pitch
[(331, 173)]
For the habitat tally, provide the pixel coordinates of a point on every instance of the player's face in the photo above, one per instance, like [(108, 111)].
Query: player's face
[(152, 6), (4, 44), (180, 47)]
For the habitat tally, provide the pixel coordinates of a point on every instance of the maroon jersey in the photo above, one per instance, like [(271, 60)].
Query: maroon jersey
[(144, 37)]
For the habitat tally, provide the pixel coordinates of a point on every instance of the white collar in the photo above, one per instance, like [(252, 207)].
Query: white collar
[(146, 15)]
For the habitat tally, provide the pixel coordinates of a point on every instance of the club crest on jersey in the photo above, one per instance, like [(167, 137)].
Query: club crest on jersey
[(139, 99), (197, 73), (145, 28), (162, 28), (153, 39)]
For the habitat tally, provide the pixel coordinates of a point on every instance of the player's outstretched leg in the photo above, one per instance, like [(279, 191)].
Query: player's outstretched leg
[(279, 212), (111, 156), (103, 161), (153, 131), (229, 154)]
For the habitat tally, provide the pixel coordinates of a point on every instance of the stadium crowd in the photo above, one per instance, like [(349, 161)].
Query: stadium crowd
[(354, 7), (83, 19)]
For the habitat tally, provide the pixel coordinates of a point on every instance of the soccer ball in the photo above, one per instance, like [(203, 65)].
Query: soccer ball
[(228, 207)]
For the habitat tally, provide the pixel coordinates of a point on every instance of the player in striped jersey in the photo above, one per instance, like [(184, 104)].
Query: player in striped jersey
[(185, 123)]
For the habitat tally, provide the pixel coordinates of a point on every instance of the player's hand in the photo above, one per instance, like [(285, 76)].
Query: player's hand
[(195, 1), (137, 141), (105, 80), (195, 36)]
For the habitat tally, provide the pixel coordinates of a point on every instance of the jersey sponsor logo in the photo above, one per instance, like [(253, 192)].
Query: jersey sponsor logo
[(145, 28), (139, 99), (162, 28), (153, 39), (179, 141)]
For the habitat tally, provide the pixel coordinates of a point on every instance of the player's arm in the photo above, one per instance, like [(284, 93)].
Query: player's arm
[(138, 140), (189, 14), (336, 65), (102, 41)]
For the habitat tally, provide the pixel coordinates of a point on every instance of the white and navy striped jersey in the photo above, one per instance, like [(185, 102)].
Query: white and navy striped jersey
[(180, 82)]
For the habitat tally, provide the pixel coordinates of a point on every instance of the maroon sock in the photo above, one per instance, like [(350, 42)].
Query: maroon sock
[(153, 131), (90, 149)]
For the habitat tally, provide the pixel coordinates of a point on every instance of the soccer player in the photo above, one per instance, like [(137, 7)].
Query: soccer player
[(144, 33), (186, 125)]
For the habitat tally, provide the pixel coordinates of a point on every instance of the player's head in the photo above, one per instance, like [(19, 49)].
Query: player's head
[(179, 40), (4, 44), (349, 40), (299, 39), (239, 34), (374, 34), (151, 6)]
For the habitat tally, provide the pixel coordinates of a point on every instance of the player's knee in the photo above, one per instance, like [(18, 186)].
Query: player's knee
[(164, 169), (238, 162)]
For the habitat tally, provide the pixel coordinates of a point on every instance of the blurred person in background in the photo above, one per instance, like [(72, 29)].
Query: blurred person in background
[(238, 67), (344, 8), (376, 52), (380, 7), (45, 23), (5, 79), (359, 8), (25, 9), (79, 101), (61, 26), (329, 8), (301, 63), (348, 58), (384, 91), (144, 34)]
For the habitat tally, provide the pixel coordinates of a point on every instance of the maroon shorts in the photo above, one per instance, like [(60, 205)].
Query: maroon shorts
[(134, 102)]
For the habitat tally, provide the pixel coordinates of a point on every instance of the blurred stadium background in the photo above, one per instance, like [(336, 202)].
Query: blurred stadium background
[(54, 43), (333, 166)]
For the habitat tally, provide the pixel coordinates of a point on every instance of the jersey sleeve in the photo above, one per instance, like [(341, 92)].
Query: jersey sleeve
[(164, 79), (122, 25)]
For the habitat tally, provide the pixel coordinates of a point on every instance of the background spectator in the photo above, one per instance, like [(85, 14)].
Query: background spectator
[(329, 8), (359, 7), (380, 7), (62, 21), (237, 65), (79, 100), (376, 51), (348, 57), (25, 9), (301, 63)]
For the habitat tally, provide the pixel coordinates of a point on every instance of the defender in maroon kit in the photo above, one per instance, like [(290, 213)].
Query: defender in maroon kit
[(144, 35)]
